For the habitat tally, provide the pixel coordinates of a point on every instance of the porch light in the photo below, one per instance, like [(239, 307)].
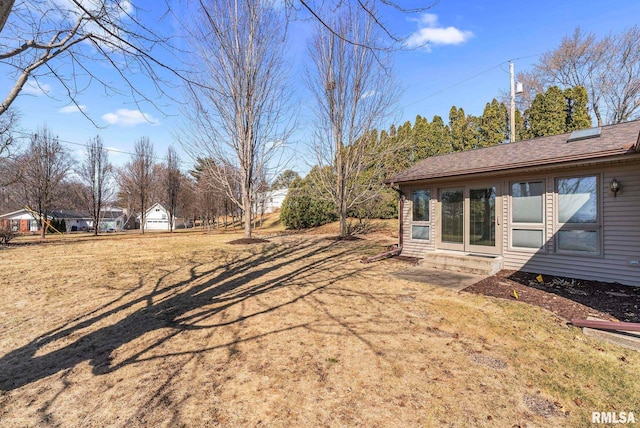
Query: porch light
[(615, 186)]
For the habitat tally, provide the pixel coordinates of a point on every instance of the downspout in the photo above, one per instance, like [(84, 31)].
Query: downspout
[(400, 214)]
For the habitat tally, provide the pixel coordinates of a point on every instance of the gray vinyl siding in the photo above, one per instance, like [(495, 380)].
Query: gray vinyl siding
[(619, 223), (620, 233), (417, 247)]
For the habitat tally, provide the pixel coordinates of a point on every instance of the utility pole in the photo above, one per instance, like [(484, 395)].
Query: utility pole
[(512, 110)]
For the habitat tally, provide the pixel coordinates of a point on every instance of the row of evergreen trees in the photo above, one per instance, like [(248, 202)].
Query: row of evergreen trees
[(552, 112)]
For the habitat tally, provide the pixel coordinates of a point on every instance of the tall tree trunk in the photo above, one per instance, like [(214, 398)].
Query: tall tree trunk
[(246, 205), (341, 192)]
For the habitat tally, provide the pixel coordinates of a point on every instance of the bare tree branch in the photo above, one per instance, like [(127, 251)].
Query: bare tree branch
[(239, 122), (354, 94), (39, 33)]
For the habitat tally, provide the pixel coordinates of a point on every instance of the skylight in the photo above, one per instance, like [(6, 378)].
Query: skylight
[(583, 134)]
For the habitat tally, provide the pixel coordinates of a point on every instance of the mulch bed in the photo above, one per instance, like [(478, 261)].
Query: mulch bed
[(343, 238), (566, 297), (247, 241)]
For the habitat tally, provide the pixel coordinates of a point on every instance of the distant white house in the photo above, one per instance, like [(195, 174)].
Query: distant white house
[(271, 201), (20, 221), (157, 218)]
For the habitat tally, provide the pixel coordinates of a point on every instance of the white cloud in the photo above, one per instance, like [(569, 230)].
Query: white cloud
[(369, 94), (129, 118), (37, 89), (72, 109), (430, 34)]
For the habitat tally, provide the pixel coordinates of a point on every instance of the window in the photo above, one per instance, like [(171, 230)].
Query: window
[(577, 227), (420, 215), (421, 205), (527, 214)]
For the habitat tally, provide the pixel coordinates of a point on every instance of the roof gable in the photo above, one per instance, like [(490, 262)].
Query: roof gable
[(613, 140), (16, 214)]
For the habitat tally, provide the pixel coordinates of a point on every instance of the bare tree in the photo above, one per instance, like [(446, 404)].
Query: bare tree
[(172, 180), (8, 123), (355, 91), (95, 173), (372, 11), (238, 113), (43, 168), (9, 171), (136, 179), (63, 40), (609, 68), (622, 84)]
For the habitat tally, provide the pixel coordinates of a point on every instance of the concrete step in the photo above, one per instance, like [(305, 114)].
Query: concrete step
[(462, 262)]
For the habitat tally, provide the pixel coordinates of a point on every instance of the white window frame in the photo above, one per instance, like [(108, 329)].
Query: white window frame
[(542, 226), (592, 227), (421, 223)]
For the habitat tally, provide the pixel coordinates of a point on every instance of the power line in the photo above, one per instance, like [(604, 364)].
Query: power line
[(86, 145), (467, 79)]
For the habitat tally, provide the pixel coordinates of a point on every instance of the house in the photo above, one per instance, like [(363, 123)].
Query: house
[(565, 205), (24, 220), (157, 218), (74, 221), (112, 219), (21, 221), (271, 201)]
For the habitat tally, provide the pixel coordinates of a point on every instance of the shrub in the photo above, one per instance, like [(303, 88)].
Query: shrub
[(59, 225), (300, 210), (6, 234)]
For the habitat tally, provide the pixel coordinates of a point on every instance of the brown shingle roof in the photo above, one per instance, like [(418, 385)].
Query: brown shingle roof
[(614, 140)]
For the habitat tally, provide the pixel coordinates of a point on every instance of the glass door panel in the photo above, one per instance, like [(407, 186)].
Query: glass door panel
[(469, 219), (482, 217), (452, 221)]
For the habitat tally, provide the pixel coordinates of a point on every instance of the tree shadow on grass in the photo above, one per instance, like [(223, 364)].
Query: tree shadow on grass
[(188, 304)]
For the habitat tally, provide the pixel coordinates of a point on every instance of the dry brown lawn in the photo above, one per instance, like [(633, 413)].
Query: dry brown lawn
[(187, 330)]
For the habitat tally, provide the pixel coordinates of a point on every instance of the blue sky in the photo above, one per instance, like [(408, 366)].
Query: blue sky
[(469, 38)]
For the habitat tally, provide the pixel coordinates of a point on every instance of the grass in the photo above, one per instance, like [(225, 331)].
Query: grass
[(187, 330)]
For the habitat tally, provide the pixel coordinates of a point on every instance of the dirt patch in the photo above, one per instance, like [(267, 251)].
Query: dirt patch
[(566, 297), (414, 261), (542, 406), (247, 241)]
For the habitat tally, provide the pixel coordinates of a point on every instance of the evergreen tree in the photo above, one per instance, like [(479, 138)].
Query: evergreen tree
[(464, 130), (547, 114), (420, 139), (404, 147), (439, 137), (301, 209), (578, 116), (556, 112), (521, 131), (494, 124)]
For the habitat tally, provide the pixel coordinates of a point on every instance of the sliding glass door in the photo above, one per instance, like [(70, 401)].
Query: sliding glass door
[(452, 219), (468, 219)]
